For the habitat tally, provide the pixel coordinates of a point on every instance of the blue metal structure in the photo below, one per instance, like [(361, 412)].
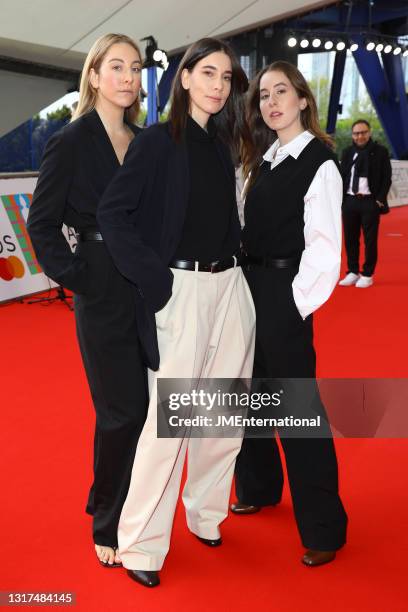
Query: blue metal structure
[(383, 79), (385, 85), (157, 96), (337, 80), (337, 16), (166, 81), (152, 113), (399, 101)]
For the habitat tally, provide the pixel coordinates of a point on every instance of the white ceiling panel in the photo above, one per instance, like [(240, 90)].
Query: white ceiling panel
[(174, 23), (60, 32), (54, 23)]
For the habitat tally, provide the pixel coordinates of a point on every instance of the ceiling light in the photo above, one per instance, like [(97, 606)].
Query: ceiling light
[(353, 47), (304, 43), (397, 50), (370, 46), (158, 55), (341, 45), (379, 47), (316, 42), (329, 44), (388, 48), (292, 42)]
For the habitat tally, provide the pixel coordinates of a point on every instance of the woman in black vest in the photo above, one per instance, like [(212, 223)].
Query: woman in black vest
[(78, 164), (292, 236)]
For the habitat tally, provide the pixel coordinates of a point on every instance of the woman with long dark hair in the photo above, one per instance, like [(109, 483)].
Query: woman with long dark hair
[(78, 164), (292, 238), (170, 220)]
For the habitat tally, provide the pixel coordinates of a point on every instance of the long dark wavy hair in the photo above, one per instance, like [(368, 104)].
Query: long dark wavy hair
[(261, 136), (231, 124)]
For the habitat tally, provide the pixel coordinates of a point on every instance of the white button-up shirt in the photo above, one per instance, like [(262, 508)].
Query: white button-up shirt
[(320, 262)]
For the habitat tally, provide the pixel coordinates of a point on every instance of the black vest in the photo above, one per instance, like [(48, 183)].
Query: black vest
[(274, 207)]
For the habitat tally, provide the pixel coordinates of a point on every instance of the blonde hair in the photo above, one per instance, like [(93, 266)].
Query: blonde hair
[(87, 94)]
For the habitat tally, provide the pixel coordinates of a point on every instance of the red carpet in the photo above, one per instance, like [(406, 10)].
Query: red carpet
[(45, 439)]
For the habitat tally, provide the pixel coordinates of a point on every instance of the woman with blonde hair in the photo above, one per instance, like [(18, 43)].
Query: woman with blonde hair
[(292, 238), (79, 162)]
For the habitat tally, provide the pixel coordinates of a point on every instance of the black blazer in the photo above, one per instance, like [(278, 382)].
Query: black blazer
[(379, 171), (78, 164), (141, 217)]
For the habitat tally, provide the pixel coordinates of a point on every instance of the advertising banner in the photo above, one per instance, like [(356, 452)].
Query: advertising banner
[(20, 273), (398, 194)]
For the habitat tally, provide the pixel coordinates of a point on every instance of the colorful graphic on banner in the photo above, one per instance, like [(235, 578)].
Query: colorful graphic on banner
[(20, 273), (14, 205), (11, 267)]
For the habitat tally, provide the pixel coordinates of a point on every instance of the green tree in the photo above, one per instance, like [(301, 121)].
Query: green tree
[(60, 114), (321, 90), (361, 108), (143, 114)]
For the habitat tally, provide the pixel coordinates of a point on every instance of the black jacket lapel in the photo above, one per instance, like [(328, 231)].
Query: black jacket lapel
[(101, 139)]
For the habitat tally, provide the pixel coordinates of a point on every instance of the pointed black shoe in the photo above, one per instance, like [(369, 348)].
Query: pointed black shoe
[(211, 543), (313, 558), (144, 577)]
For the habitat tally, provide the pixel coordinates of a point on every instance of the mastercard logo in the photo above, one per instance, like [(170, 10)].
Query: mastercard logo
[(11, 267)]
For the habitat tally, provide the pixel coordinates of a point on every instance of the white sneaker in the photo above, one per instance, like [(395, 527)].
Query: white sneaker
[(349, 279), (364, 282)]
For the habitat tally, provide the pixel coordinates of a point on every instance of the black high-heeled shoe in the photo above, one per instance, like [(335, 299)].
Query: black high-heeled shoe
[(211, 543), (145, 578)]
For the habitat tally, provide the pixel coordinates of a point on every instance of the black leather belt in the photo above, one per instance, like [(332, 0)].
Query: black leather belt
[(215, 266), (360, 195), (271, 262), (89, 235)]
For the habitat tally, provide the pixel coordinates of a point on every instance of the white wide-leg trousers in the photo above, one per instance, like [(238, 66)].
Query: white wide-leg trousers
[(207, 330)]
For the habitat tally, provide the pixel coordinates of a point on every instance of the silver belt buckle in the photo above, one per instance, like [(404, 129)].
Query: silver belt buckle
[(213, 265)]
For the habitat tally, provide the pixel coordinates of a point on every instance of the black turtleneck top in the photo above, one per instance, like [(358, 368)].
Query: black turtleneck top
[(207, 233)]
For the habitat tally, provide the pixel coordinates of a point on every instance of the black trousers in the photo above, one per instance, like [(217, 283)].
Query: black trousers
[(109, 344), (284, 349), (361, 214)]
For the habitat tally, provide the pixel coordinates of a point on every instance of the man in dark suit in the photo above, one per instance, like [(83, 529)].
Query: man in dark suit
[(366, 172)]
